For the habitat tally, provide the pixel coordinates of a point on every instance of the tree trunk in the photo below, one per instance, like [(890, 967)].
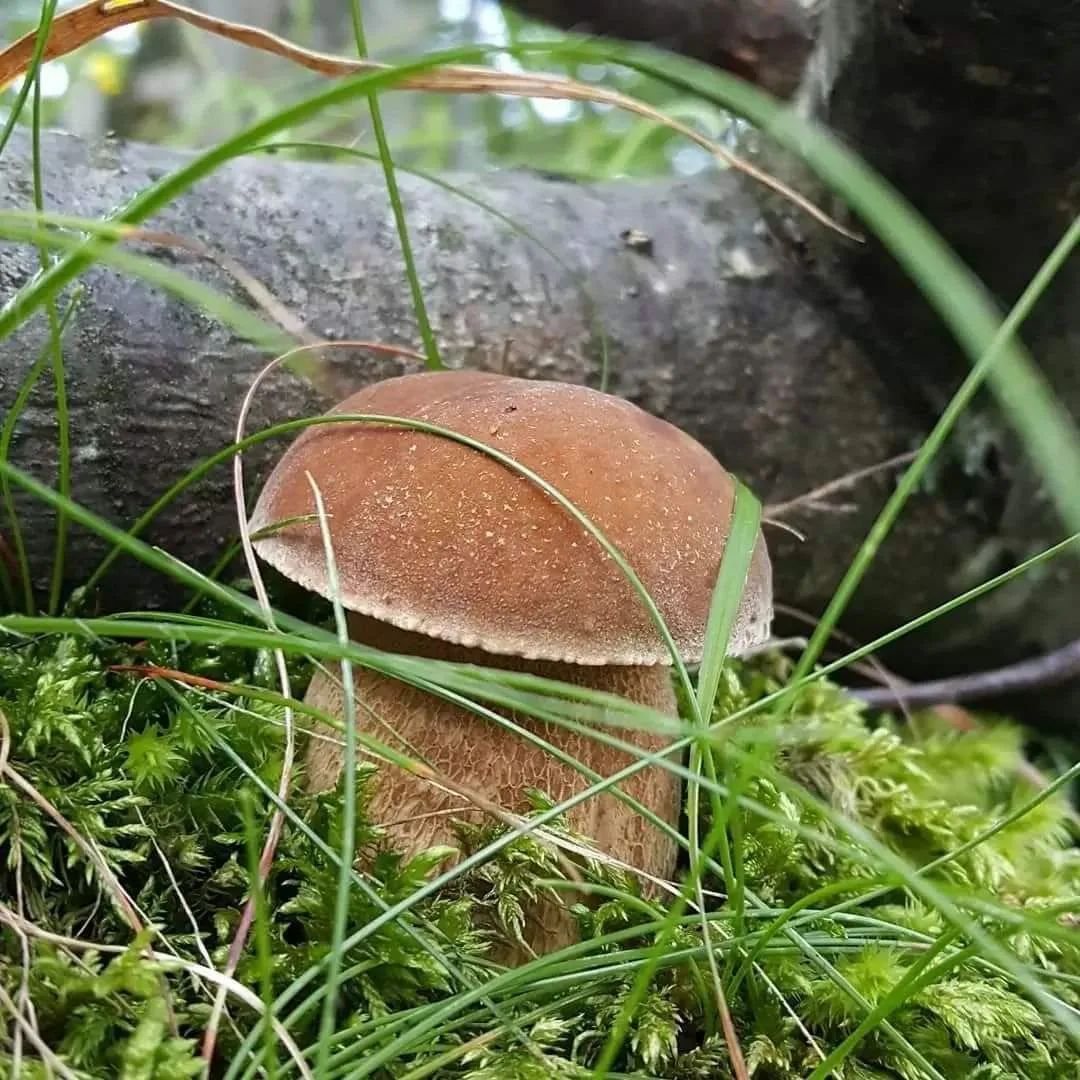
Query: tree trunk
[(793, 357)]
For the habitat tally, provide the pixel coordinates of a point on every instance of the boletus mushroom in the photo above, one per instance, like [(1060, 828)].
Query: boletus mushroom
[(444, 552)]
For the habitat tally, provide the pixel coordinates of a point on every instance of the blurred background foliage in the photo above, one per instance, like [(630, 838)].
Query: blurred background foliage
[(166, 82)]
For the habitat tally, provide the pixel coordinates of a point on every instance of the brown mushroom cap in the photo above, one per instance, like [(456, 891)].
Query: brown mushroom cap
[(438, 538)]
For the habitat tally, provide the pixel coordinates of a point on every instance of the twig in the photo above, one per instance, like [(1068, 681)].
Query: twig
[(797, 644), (898, 692), (197, 934), (257, 292), (1051, 669), (1054, 668), (784, 526), (841, 483), (876, 669)]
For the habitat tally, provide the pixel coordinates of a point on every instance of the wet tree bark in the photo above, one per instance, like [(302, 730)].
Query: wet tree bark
[(793, 355)]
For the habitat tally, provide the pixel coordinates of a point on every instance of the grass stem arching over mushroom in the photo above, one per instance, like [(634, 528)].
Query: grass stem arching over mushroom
[(444, 552)]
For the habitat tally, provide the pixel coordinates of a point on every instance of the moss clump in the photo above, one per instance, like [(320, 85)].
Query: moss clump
[(165, 785)]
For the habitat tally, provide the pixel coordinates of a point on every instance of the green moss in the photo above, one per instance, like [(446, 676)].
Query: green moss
[(147, 781)]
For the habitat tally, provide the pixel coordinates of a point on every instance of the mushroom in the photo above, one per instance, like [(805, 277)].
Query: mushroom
[(444, 552)]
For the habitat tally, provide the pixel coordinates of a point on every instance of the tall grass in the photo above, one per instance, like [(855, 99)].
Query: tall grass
[(721, 748)]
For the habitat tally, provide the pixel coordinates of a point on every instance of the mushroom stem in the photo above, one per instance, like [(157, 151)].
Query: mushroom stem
[(497, 764)]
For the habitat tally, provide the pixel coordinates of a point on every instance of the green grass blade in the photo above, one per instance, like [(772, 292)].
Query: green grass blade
[(263, 955), (431, 933), (1050, 437), (727, 595), (63, 419), (35, 229), (935, 896), (48, 11), (349, 809), (918, 977), (1048, 433), (7, 433), (158, 195), (592, 308), (949, 286), (427, 335), (661, 946)]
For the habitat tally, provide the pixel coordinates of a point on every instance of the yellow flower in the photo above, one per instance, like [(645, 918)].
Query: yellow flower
[(104, 71)]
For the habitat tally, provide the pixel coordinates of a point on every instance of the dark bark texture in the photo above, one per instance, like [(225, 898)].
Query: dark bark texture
[(765, 41), (793, 356), (969, 108)]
